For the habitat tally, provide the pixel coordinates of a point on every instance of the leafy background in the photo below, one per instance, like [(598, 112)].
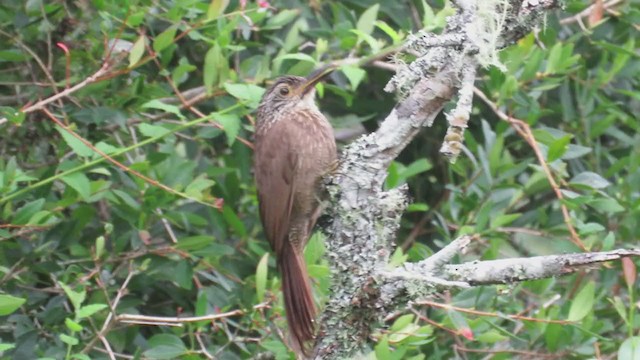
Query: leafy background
[(151, 205)]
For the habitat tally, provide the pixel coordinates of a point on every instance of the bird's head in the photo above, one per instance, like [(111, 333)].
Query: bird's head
[(291, 92)]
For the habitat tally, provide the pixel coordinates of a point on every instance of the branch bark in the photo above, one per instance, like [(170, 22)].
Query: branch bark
[(365, 217)]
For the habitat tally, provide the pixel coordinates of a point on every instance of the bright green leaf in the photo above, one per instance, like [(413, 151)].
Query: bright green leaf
[(367, 19), (558, 148), (76, 297), (296, 56), (261, 276), (70, 340), (74, 143), (250, 93), (213, 65), (9, 304), (401, 322), (72, 325), (164, 39), (5, 347), (80, 183), (582, 304), (137, 50), (354, 74), (630, 349), (231, 124), (216, 8), (88, 310), (555, 58)]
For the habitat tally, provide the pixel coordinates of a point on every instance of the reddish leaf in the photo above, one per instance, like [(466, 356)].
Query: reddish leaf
[(629, 271), (596, 13), (63, 46), (467, 333)]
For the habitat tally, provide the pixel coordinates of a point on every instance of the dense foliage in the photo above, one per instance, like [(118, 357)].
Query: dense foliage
[(136, 192)]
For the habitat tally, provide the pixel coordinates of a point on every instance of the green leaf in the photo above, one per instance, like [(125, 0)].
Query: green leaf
[(5, 347), (582, 304), (183, 274), (402, 322), (234, 221), (192, 243), (397, 258), (590, 179), (213, 65), (575, 151), (282, 18), (99, 246), (250, 93), (618, 304), (354, 74), (610, 206), (370, 40), (296, 56), (72, 325), (80, 183), (216, 8), (196, 188), (395, 37), (417, 167), (165, 38), (491, 336), (9, 304), (70, 340), (149, 130), (88, 310), (231, 124), (13, 55), (630, 349), (76, 298), (74, 143), (554, 59), (403, 334), (367, 19), (25, 213), (165, 346), (137, 50), (157, 104), (383, 352), (261, 276), (504, 219), (80, 357), (558, 148)]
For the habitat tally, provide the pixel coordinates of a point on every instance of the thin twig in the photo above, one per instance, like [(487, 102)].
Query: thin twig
[(112, 313), (586, 12), (42, 103), (205, 352), (490, 314), (174, 321)]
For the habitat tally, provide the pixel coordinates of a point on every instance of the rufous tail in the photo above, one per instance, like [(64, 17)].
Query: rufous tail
[(298, 298)]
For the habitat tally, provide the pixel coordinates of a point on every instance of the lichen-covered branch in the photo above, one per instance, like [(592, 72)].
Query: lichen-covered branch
[(365, 217), (505, 271)]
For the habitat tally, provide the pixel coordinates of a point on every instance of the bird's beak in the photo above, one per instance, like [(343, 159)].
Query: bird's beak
[(314, 78)]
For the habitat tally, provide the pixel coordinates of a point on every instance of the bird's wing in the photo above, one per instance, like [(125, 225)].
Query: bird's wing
[(275, 167)]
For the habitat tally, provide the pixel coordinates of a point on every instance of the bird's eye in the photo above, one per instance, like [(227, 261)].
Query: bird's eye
[(284, 90)]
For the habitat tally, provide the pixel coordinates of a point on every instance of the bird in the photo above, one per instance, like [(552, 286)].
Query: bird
[(294, 149)]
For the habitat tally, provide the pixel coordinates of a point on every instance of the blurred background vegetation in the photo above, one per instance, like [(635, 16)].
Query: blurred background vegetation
[(136, 190)]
